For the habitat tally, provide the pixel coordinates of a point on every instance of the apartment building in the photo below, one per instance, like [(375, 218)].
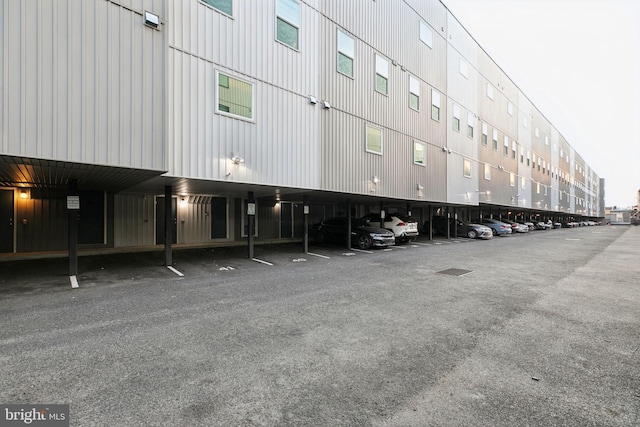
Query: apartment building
[(223, 121)]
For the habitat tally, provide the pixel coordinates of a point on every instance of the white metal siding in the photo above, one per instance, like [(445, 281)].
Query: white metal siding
[(84, 82)]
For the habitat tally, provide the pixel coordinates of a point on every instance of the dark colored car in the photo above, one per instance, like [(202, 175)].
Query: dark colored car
[(463, 228), (363, 236)]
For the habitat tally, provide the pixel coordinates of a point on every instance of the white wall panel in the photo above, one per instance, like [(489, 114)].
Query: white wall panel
[(85, 83), (134, 220)]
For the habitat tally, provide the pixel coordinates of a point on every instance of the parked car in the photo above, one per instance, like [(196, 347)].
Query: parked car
[(402, 227), (516, 227), (362, 235), (498, 228), (463, 228), (530, 225)]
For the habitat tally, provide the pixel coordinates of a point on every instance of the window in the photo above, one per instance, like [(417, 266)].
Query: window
[(418, 153), (466, 168), (510, 108), (435, 105), (528, 158), (485, 134), (464, 68), (234, 97), (456, 118), (521, 154), (382, 75), (288, 22), (470, 124), (537, 132), (346, 53), (513, 150), (546, 140), (506, 145), (523, 183), (489, 91), (426, 35), (538, 188), (374, 140), (224, 6), (414, 93), (494, 140), (512, 179), (487, 172)]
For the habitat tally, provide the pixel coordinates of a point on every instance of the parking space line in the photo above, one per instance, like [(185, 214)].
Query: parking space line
[(261, 261), (74, 282), (399, 247), (318, 255), (175, 271), (361, 250), (423, 244)]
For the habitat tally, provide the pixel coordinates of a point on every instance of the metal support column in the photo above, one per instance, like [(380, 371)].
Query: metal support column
[(251, 215), (455, 223), (305, 213), (348, 224), (430, 231), (73, 207), (382, 215), (168, 226)]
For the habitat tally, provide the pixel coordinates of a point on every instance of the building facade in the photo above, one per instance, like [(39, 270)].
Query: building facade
[(308, 108)]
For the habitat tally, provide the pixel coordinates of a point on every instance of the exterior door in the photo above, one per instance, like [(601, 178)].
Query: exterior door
[(6, 221), (160, 220), (286, 219)]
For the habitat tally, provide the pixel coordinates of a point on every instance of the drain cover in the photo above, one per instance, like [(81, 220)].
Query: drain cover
[(455, 271)]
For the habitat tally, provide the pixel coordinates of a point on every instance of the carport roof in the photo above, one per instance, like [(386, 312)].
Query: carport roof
[(17, 171)]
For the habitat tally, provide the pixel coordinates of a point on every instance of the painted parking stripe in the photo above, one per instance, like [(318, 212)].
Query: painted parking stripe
[(261, 261), (573, 239), (318, 255), (423, 244), (361, 250), (175, 271), (74, 282), (399, 247)]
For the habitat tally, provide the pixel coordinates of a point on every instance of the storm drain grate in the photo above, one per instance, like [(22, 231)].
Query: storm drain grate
[(454, 271)]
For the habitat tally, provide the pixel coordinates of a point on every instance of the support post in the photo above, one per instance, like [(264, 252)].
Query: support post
[(383, 214), (455, 223), (73, 208), (305, 213), (251, 215), (430, 222), (168, 226), (348, 224)]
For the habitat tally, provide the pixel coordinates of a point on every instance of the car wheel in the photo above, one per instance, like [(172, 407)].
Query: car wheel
[(472, 234), (320, 237), (364, 241), (494, 232)]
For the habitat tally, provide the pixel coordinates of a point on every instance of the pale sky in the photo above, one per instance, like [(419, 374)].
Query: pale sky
[(578, 61)]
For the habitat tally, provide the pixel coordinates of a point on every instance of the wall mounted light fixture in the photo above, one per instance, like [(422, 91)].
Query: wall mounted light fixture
[(152, 20), (375, 179), (24, 193), (237, 159)]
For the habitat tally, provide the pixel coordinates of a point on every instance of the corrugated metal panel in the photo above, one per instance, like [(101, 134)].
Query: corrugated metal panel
[(84, 84), (134, 220), (194, 224), (41, 224)]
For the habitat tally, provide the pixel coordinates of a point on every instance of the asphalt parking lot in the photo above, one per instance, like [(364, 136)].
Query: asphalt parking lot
[(537, 329)]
